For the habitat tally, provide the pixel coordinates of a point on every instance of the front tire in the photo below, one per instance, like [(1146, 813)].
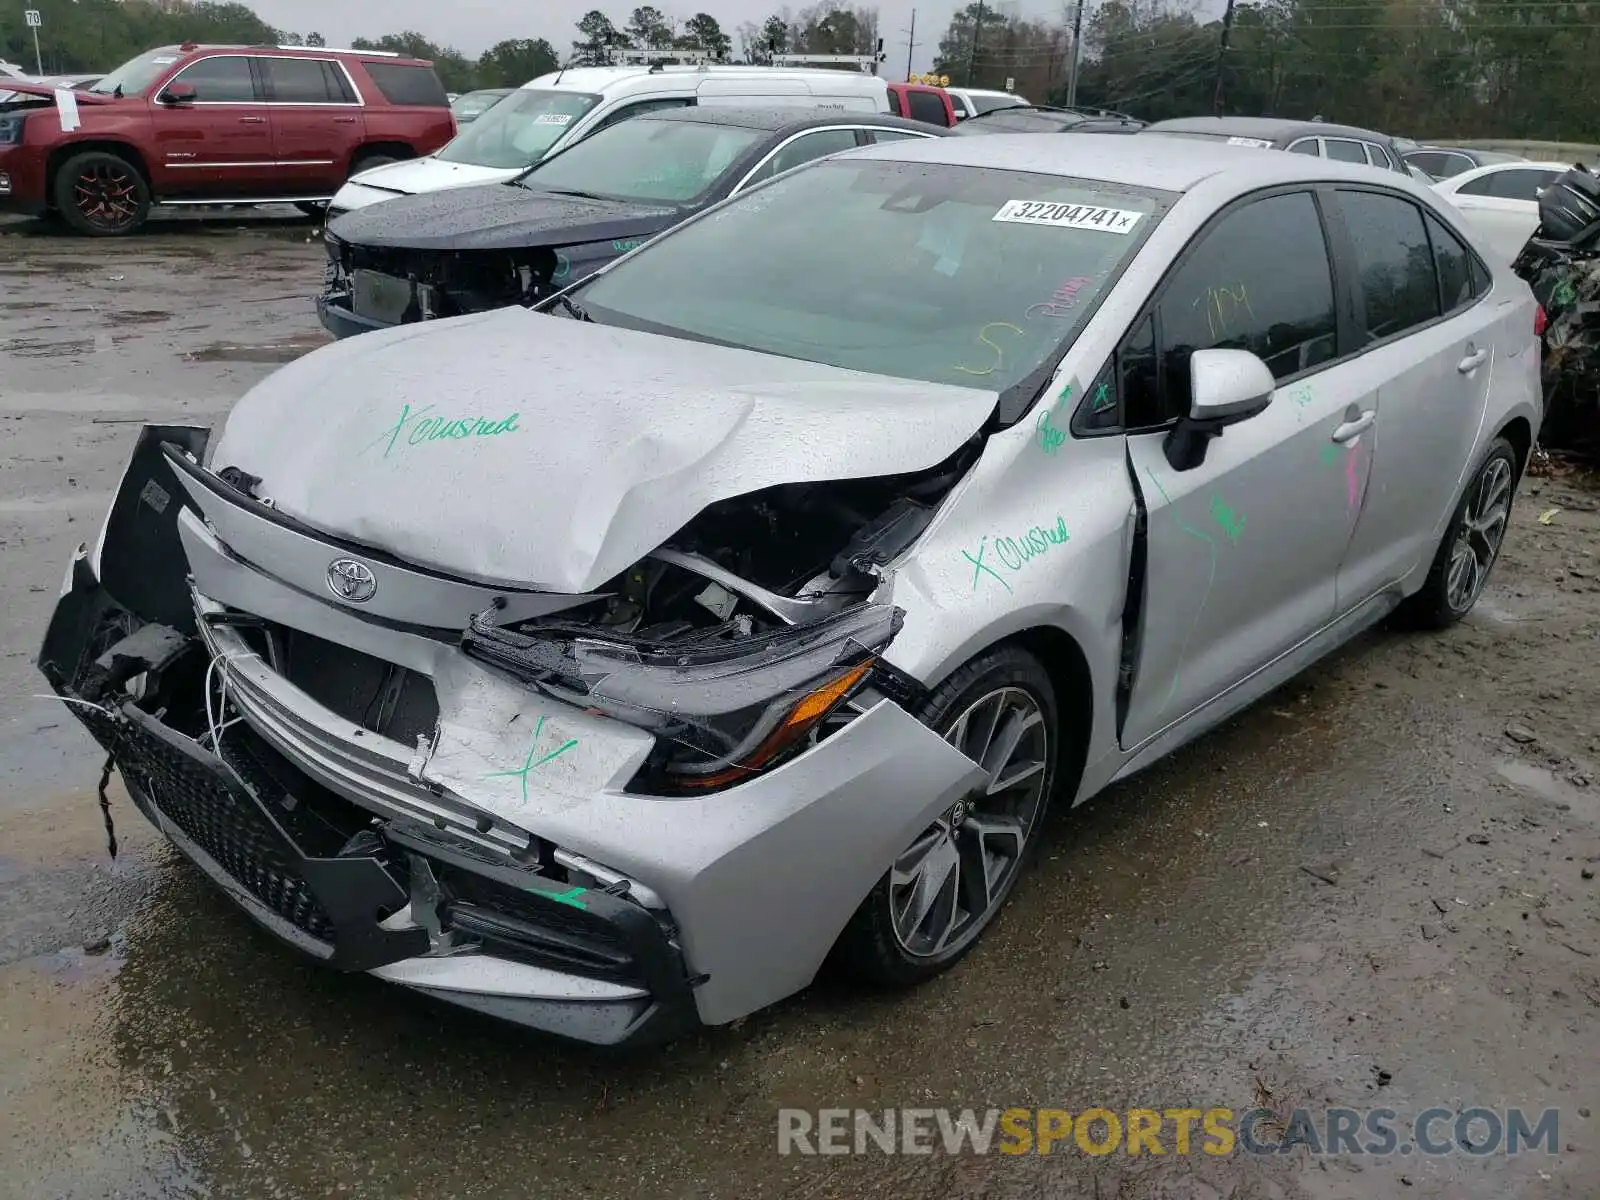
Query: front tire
[(101, 194), (945, 889), (1471, 544)]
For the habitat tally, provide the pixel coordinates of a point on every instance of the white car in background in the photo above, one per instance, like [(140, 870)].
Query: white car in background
[(1500, 201), (974, 102), (552, 112)]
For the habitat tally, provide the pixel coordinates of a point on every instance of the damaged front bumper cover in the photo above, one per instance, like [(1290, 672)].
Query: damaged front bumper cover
[(572, 906), (395, 897)]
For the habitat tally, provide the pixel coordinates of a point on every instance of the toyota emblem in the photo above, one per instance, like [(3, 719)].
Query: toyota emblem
[(352, 581)]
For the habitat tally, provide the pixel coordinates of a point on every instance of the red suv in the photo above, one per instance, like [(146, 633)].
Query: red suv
[(215, 125)]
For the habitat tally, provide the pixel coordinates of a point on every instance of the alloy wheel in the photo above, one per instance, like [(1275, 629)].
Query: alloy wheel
[(1483, 527), (107, 196), (947, 883)]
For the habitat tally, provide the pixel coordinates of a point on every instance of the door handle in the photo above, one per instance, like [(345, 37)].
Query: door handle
[(344, 120), (1351, 430), (252, 120), (1472, 361)]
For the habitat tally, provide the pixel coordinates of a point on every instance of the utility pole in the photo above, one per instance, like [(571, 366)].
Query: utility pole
[(911, 44), (977, 33), (1222, 54), (1077, 40)]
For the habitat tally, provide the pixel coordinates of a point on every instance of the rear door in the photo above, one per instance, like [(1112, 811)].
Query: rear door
[(220, 143), (1429, 327), (316, 122), (1243, 550)]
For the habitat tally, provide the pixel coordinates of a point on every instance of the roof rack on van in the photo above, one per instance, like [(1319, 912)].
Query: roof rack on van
[(631, 58), (864, 61)]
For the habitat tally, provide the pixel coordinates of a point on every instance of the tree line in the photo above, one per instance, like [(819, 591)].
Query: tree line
[(80, 36), (1421, 68)]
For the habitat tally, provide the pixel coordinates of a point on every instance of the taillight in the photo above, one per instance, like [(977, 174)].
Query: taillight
[(1540, 320)]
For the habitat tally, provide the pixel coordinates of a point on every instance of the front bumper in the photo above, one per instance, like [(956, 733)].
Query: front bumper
[(339, 319), (452, 879)]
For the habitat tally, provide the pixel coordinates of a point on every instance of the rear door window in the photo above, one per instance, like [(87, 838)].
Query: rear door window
[(1459, 285), (1378, 156), (1521, 184), (1344, 150), (302, 81), (1305, 146), (403, 83), (226, 79), (1394, 262)]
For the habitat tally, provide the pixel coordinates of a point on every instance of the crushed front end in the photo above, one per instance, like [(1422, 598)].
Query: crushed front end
[(376, 287), (613, 817)]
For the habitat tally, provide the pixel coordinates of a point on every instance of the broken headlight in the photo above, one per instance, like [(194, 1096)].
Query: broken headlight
[(721, 711)]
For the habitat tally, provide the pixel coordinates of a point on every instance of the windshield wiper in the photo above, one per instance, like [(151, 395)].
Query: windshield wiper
[(578, 312), (574, 192)]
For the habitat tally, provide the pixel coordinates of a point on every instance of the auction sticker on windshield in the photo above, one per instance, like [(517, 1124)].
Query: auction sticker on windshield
[(1068, 216), (553, 119), (1244, 141)]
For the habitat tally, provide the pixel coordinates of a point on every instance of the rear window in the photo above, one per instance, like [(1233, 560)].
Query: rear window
[(926, 106), (405, 83), (956, 275)]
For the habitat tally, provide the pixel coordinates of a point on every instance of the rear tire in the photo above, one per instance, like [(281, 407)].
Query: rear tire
[(1470, 546), (971, 857), (101, 194)]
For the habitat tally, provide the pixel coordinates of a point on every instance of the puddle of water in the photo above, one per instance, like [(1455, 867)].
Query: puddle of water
[(1584, 802), (266, 352), (138, 316), (24, 349)]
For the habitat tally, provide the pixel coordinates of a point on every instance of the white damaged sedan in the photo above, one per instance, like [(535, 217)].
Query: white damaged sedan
[(609, 667)]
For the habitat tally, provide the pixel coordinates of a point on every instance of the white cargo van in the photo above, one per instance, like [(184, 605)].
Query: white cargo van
[(556, 110)]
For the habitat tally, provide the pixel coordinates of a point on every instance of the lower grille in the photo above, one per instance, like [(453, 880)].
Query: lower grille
[(226, 826)]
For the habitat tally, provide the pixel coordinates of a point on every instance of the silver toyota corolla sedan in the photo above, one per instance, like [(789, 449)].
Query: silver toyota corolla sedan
[(609, 668)]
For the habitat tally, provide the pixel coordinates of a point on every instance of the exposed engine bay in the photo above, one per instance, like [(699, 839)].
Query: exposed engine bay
[(400, 286)]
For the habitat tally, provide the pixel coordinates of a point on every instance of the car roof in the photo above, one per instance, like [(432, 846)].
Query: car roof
[(1268, 128), (783, 118), (1166, 164), (598, 79)]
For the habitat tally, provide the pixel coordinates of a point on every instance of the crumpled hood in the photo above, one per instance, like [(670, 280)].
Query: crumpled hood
[(518, 448), (429, 174), (496, 216), (33, 87)]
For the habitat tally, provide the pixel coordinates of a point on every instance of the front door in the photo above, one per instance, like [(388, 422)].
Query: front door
[(218, 144), (1423, 307), (1243, 550), (317, 123)]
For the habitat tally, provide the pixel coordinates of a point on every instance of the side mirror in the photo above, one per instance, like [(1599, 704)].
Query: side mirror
[(1225, 387), (178, 93)]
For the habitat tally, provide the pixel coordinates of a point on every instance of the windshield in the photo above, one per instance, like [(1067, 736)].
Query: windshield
[(520, 130), (956, 275), (137, 74), (665, 162)]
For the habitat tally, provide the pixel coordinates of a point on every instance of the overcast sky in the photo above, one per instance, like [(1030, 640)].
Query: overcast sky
[(474, 27)]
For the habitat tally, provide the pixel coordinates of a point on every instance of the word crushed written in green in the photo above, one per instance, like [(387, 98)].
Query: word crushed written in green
[(418, 428), (1014, 553)]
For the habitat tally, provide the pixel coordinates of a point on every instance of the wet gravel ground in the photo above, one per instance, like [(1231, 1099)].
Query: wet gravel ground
[(1376, 888)]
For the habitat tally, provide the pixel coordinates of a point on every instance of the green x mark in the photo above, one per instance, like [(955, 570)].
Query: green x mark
[(529, 764)]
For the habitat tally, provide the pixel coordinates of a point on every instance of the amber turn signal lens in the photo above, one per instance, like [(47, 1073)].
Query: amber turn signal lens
[(799, 721)]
